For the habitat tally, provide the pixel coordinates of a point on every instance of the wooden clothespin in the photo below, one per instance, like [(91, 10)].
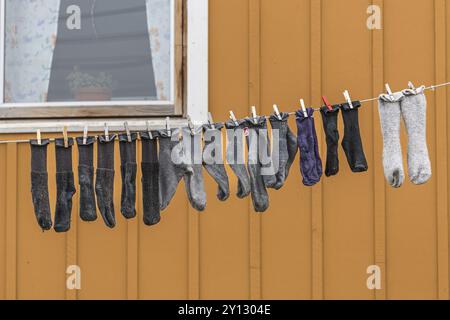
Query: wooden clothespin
[(302, 104), (169, 131), (106, 132), (127, 129), (233, 118), (277, 112), (150, 135), (254, 114), (211, 121), (349, 100), (388, 89), (66, 138), (85, 135), (38, 137), (327, 103)]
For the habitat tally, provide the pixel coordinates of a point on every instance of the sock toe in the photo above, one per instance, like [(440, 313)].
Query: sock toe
[(422, 176)]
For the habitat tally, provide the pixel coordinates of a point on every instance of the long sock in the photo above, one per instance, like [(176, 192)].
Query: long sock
[(128, 170), (390, 117), (173, 165), (213, 159), (235, 156), (88, 210), (414, 111), (104, 184), (288, 148), (310, 162), (260, 197), (150, 179), (352, 143), (194, 182), (65, 186), (330, 125), (39, 184)]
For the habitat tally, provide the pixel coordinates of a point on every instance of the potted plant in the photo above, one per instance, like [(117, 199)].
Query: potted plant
[(88, 87)]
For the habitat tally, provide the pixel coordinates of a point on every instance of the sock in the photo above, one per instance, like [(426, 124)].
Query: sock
[(390, 116), (150, 179), (88, 210), (173, 165), (235, 156), (288, 148), (260, 198), (414, 111), (128, 170), (39, 184), (213, 159), (352, 143), (330, 125), (104, 184), (310, 162), (65, 186), (195, 187)]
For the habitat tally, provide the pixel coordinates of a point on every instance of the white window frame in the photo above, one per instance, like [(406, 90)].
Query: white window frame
[(196, 86)]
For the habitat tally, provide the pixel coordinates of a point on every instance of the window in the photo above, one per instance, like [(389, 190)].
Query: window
[(101, 58)]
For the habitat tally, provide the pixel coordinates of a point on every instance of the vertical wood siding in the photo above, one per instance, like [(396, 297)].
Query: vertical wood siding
[(313, 243)]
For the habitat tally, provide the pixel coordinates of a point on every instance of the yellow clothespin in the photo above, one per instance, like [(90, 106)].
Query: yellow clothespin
[(277, 112), (349, 100), (66, 138), (127, 129), (85, 135), (305, 112), (38, 137)]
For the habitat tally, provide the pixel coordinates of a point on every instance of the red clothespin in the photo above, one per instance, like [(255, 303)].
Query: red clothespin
[(327, 103)]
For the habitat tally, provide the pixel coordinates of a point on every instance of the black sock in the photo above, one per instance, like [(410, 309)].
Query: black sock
[(150, 179), (330, 125), (88, 210), (352, 143), (39, 184), (128, 169), (65, 186), (104, 184)]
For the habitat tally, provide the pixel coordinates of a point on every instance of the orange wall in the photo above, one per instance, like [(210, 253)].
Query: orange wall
[(313, 242)]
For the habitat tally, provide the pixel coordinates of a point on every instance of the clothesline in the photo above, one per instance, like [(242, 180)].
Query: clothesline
[(432, 87)]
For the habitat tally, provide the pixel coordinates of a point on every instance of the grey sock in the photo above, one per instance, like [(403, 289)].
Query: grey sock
[(288, 148), (390, 118), (194, 183), (260, 198), (170, 172), (235, 156), (414, 111), (88, 209), (212, 152), (39, 184), (128, 168), (65, 186)]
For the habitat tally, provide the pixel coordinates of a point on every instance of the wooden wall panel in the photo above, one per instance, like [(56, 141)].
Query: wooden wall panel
[(313, 243)]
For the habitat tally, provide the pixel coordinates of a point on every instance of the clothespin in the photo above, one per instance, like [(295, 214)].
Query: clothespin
[(85, 135), (211, 121), (233, 118), (106, 132), (38, 137), (277, 112), (149, 131), (349, 100), (411, 85), (169, 131), (388, 89), (191, 125), (127, 129), (327, 103), (254, 114), (302, 104), (66, 138)]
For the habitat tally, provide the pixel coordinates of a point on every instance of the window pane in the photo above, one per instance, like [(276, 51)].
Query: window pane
[(88, 50)]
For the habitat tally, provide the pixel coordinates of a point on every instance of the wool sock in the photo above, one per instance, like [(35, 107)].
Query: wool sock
[(330, 125), (88, 210), (65, 186), (173, 165), (128, 170), (352, 143), (260, 198), (213, 159), (194, 183), (310, 162), (104, 184), (390, 116), (150, 179), (39, 184), (288, 148), (235, 156), (414, 111)]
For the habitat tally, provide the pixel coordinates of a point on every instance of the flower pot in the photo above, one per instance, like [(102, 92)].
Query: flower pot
[(93, 94)]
